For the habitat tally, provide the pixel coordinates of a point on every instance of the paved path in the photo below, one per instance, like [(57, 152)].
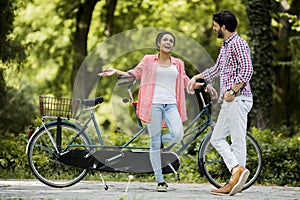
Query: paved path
[(33, 189)]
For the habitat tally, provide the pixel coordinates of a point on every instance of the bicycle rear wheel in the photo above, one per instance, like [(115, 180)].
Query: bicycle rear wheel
[(43, 157), (213, 167)]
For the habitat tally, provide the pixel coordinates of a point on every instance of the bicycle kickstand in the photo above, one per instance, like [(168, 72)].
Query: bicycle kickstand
[(103, 181), (178, 176)]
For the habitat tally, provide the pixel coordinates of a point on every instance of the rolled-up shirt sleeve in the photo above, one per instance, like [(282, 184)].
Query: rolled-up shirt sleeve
[(137, 71), (211, 73)]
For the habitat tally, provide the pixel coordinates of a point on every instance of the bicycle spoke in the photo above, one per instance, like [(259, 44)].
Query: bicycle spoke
[(214, 168), (43, 158)]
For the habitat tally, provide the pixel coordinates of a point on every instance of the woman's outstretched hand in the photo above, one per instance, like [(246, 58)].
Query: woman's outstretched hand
[(108, 72)]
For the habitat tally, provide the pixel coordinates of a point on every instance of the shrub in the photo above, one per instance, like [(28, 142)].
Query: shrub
[(280, 160), (281, 157), (13, 160), (17, 111)]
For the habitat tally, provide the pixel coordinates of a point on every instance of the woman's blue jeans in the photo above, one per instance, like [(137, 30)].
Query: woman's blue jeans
[(169, 113)]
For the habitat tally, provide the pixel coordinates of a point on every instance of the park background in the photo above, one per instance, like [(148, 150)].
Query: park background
[(43, 43)]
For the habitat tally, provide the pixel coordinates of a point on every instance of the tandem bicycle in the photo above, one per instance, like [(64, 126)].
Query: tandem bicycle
[(61, 151)]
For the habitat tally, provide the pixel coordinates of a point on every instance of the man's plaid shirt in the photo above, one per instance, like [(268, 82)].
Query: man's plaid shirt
[(233, 65)]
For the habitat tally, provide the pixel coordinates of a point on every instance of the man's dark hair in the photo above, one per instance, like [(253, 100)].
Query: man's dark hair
[(159, 36), (226, 18)]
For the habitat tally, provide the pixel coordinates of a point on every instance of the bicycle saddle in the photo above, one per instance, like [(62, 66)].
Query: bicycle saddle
[(93, 101)]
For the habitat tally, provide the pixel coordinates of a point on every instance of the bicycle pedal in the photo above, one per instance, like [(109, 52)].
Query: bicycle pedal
[(94, 166), (89, 154)]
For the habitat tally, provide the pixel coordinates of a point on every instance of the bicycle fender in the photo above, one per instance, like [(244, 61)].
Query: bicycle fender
[(32, 136), (200, 160)]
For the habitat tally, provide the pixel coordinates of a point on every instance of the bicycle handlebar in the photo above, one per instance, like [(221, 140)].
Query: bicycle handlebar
[(92, 102), (126, 77), (129, 82), (203, 87), (124, 82)]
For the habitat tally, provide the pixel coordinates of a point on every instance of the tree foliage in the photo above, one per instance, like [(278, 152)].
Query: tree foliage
[(66, 32), (10, 48), (286, 63), (12, 56)]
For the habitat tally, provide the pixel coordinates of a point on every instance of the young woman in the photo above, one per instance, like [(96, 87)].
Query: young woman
[(161, 98)]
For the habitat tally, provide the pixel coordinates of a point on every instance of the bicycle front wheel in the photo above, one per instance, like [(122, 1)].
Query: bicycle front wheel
[(43, 156), (213, 167)]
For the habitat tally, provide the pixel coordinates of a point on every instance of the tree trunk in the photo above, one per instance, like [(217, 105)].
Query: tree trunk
[(2, 89), (260, 35), (84, 73), (83, 21), (283, 70), (110, 17)]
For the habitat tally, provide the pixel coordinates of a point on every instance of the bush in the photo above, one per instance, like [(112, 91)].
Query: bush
[(281, 157), (17, 111), (13, 160), (280, 161)]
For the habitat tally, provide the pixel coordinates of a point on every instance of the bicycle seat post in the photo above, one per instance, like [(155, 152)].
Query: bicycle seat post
[(130, 84), (58, 134), (130, 93), (202, 99)]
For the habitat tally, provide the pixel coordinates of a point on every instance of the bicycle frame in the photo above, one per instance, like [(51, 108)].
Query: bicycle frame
[(195, 132), (191, 132)]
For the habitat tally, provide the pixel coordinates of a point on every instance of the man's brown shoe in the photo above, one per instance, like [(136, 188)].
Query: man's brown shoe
[(225, 190), (239, 178)]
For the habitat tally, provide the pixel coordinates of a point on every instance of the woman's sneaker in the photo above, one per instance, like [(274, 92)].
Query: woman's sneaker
[(161, 187)]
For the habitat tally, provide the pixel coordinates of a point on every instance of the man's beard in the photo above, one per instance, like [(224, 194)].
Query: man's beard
[(220, 34)]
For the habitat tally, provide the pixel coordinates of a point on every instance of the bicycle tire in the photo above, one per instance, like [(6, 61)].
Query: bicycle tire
[(213, 167), (43, 159)]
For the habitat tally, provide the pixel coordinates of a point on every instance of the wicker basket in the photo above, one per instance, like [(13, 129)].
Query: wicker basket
[(59, 107)]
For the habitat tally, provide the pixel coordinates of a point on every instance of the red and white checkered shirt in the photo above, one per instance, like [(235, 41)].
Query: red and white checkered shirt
[(233, 65)]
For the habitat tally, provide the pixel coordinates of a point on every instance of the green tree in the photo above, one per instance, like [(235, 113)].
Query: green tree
[(286, 66), (68, 31), (10, 49), (12, 57), (260, 35), (273, 25)]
